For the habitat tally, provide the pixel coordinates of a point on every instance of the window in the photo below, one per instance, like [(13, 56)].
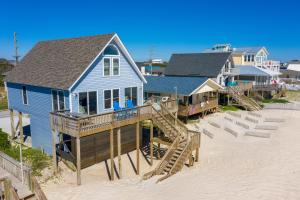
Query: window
[(116, 66), (111, 63), (252, 58), (88, 102), (24, 95), (249, 58), (107, 99), (116, 95), (58, 100), (92, 103), (106, 66), (111, 50), (83, 102), (245, 58), (111, 96), (131, 94)]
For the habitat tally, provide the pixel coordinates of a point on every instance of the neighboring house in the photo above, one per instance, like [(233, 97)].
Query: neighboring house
[(151, 69), (258, 57), (85, 75), (218, 66), (195, 95), (255, 75), (294, 65)]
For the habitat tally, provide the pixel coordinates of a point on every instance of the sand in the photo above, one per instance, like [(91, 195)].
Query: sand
[(241, 167)]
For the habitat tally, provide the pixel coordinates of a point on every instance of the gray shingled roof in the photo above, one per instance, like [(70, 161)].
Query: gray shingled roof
[(166, 84), (248, 50), (58, 63), (197, 64)]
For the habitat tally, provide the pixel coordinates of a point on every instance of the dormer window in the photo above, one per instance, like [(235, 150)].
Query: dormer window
[(111, 61)]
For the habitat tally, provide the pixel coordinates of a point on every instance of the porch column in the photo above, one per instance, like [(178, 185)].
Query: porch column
[(54, 159), (12, 123), (21, 127), (112, 174), (151, 143), (78, 160), (119, 152), (137, 148)]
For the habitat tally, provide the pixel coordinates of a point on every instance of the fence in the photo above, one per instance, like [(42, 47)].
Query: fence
[(13, 167)]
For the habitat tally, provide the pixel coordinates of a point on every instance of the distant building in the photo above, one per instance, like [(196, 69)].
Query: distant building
[(157, 61), (294, 65), (151, 69)]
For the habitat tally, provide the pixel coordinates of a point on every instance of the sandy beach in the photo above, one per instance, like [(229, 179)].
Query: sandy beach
[(241, 168)]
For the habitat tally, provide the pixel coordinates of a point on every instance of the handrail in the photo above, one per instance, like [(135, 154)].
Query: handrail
[(172, 147)]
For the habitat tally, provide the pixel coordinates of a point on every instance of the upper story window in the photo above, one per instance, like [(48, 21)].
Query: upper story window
[(58, 100), (111, 50), (249, 58), (24, 95), (111, 62)]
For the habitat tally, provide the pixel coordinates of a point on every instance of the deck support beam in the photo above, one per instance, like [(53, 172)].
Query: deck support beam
[(112, 163), (137, 148), (21, 127), (158, 145), (12, 123), (78, 160), (198, 149), (119, 152), (54, 158), (151, 142)]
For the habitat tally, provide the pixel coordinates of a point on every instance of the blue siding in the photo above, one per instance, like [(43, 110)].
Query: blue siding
[(93, 80), (39, 106)]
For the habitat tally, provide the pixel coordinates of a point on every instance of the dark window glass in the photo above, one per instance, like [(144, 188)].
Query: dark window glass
[(61, 100), (24, 91), (111, 50), (107, 99), (127, 94), (134, 96), (92, 103), (54, 100), (116, 95), (116, 66), (106, 66), (83, 102)]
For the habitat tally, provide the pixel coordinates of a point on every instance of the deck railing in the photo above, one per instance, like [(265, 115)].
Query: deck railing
[(186, 110), (74, 124)]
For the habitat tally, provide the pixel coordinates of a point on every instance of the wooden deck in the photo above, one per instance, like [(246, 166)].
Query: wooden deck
[(197, 108), (268, 87), (80, 126)]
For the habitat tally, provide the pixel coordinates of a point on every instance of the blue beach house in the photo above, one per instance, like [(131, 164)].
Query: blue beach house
[(83, 77)]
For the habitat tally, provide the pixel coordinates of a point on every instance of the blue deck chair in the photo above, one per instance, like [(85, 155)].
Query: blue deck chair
[(129, 104), (116, 106)]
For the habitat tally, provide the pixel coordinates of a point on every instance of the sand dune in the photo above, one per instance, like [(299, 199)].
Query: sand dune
[(235, 168)]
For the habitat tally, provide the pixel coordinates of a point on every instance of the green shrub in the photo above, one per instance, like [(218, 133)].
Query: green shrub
[(35, 158), (4, 142), (275, 101)]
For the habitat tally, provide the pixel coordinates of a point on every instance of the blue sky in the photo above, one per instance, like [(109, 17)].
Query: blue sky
[(160, 27)]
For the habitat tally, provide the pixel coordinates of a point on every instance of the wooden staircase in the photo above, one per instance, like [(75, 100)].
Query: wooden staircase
[(242, 100), (183, 143)]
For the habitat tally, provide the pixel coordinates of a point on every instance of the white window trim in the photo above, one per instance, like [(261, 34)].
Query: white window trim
[(111, 98), (58, 109), (87, 99), (137, 94), (112, 66), (111, 72), (26, 96)]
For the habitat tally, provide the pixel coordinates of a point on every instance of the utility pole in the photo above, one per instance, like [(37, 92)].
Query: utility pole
[(16, 56)]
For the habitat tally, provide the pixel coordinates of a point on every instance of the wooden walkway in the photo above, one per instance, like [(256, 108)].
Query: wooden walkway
[(22, 190)]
